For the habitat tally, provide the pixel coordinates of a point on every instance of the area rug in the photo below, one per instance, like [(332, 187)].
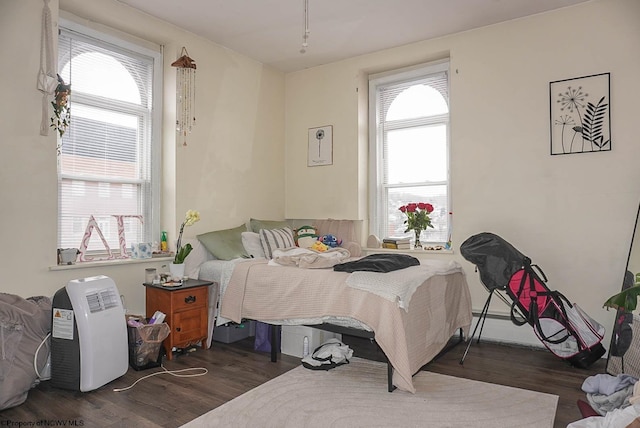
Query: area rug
[(355, 395)]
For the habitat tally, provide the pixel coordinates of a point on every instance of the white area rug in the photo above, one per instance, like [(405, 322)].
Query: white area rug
[(355, 395)]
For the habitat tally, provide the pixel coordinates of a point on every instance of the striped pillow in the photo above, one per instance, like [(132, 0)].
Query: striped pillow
[(272, 239)]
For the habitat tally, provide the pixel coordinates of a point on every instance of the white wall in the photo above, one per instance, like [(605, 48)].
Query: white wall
[(232, 168), (573, 215)]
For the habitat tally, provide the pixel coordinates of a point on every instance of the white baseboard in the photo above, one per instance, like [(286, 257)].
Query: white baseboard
[(501, 329)]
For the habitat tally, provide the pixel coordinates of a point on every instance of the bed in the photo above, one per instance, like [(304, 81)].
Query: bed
[(411, 313), (431, 302)]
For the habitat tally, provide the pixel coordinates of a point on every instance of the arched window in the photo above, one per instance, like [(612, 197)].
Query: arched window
[(421, 100), (108, 149), (409, 150), (102, 75)]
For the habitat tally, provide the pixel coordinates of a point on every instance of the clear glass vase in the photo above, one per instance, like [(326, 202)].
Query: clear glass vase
[(417, 245)]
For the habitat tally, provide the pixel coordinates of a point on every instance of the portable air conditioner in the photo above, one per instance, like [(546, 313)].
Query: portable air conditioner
[(88, 335)]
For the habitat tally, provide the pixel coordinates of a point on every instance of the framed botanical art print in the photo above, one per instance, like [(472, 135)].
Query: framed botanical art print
[(580, 115), (320, 144)]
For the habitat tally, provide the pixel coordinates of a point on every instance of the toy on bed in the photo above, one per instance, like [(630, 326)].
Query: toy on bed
[(305, 236), (319, 246), (330, 241)]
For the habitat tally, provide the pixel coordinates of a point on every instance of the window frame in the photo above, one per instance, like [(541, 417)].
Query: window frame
[(113, 39), (378, 215)]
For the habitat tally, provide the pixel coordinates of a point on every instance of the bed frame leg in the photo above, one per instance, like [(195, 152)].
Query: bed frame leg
[(275, 342), (390, 386)]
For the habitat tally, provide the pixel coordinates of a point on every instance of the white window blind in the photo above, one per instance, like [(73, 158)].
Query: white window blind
[(409, 149), (107, 163)]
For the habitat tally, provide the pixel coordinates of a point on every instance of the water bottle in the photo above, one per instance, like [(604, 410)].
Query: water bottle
[(164, 246), (305, 347)]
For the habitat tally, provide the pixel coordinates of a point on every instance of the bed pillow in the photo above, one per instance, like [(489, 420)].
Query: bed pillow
[(196, 257), (272, 239), (252, 244), (255, 225), (225, 244)]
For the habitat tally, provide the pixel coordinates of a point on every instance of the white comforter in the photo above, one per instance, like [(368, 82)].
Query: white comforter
[(398, 286)]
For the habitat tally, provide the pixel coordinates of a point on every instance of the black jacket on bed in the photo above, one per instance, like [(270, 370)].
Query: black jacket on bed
[(378, 263)]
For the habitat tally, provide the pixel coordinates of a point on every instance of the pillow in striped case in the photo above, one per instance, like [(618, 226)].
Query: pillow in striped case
[(272, 239)]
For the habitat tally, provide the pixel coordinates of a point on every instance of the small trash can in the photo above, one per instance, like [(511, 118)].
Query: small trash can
[(145, 345)]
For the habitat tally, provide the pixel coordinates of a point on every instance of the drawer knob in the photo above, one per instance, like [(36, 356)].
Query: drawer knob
[(178, 328), (190, 299)]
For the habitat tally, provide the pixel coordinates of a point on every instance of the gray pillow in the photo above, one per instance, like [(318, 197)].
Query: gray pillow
[(225, 244), (255, 224), (272, 239)]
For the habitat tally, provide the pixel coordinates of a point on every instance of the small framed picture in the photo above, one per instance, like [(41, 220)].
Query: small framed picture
[(320, 146)]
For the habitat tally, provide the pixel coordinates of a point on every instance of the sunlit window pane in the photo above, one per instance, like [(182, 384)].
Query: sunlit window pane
[(98, 74), (417, 101), (417, 154)]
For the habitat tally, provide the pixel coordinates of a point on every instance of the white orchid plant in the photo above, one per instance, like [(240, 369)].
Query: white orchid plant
[(182, 252)]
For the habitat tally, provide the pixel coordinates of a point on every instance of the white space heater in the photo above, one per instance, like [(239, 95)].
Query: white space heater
[(88, 335)]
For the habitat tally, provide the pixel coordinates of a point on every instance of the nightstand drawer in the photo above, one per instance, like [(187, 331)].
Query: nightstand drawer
[(189, 299)]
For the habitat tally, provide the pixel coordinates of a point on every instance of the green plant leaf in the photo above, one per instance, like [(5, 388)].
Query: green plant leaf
[(182, 254), (627, 299)]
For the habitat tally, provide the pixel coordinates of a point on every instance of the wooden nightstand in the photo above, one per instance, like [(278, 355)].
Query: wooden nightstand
[(186, 309)]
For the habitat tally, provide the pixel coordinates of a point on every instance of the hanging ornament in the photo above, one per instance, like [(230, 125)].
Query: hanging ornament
[(185, 95), (47, 81)]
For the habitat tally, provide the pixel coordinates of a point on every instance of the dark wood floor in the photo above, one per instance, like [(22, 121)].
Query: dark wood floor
[(168, 401)]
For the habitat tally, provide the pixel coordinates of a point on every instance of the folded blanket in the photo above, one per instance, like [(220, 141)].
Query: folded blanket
[(309, 259), (398, 286)]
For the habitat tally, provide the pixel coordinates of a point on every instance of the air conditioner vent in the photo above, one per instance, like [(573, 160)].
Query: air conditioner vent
[(102, 300)]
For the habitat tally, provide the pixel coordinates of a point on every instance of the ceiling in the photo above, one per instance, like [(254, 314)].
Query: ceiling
[(271, 31)]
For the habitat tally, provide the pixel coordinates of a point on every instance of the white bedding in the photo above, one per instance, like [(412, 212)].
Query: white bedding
[(398, 286), (218, 271), (309, 259)]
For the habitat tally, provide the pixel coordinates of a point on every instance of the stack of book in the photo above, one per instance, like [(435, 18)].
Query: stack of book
[(396, 243)]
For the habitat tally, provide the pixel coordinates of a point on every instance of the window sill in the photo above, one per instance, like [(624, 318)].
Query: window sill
[(112, 262), (410, 251)]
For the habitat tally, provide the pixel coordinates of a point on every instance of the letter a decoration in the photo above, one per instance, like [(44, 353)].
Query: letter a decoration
[(92, 224)]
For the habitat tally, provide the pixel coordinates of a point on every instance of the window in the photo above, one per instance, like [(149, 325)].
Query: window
[(409, 149), (109, 156)]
